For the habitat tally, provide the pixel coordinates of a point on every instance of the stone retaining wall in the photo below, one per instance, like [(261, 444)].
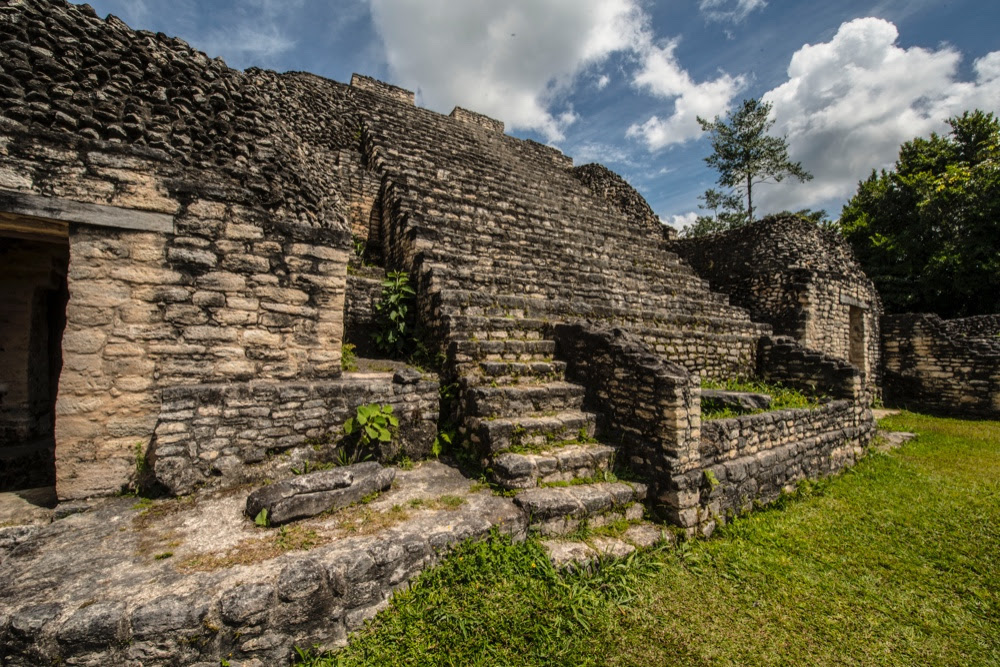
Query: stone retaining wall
[(647, 407), (701, 472), (751, 459), (216, 433), (950, 367)]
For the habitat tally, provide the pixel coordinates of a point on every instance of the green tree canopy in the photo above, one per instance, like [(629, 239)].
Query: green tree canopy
[(745, 154), (928, 231)]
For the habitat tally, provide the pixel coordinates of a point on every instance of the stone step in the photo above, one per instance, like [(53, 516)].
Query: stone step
[(559, 464), (495, 326), (589, 552), (463, 351), (562, 510), (516, 399), (496, 435), (513, 372)]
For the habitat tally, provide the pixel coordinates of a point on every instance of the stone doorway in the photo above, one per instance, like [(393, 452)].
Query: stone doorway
[(857, 333), (34, 256)]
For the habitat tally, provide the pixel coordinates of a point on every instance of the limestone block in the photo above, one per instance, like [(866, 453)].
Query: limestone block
[(97, 293), (222, 281), (310, 494)]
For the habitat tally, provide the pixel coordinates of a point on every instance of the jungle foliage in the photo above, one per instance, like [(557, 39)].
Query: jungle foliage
[(928, 231)]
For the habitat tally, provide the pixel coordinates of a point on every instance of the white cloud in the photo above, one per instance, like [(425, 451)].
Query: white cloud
[(729, 10), (600, 152), (246, 44), (663, 76), (603, 81), (512, 60), (849, 103), (682, 221)]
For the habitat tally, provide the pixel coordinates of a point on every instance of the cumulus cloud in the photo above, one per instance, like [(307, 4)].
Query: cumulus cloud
[(682, 221), (729, 10), (664, 77), (849, 103), (512, 60)]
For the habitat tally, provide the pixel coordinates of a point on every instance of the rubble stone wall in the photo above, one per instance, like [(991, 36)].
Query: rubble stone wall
[(949, 367), (217, 433), (704, 472), (753, 458)]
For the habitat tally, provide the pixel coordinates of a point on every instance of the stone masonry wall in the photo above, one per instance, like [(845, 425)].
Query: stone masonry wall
[(617, 191), (950, 367), (703, 472), (648, 407), (231, 294), (251, 170), (801, 280), (753, 458), (216, 433)]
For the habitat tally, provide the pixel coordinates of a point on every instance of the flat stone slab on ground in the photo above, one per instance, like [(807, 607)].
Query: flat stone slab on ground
[(313, 493), (742, 401), (894, 439), (584, 553)]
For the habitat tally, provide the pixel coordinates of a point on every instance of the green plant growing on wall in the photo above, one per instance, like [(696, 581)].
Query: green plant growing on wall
[(348, 358), (394, 315), (372, 423)]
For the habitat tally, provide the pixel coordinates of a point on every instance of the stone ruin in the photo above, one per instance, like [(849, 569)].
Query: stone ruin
[(179, 276)]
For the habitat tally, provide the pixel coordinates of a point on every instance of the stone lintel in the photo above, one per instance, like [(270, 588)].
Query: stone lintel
[(848, 300), (65, 210)]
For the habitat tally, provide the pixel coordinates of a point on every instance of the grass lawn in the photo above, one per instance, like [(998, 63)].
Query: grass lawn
[(896, 562)]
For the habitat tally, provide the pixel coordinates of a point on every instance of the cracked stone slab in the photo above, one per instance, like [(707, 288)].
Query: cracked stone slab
[(313, 493)]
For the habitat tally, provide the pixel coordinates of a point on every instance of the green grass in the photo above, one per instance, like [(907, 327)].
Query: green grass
[(782, 397), (896, 562)]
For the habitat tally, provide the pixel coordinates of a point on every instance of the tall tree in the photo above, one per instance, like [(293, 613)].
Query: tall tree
[(745, 154), (928, 231)]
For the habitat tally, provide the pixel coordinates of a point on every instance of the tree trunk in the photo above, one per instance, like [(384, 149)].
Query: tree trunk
[(749, 199)]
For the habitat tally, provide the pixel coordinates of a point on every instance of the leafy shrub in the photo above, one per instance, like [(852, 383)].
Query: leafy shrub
[(394, 315), (372, 423)]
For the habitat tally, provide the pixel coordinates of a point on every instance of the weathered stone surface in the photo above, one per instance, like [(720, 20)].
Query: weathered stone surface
[(800, 279), (943, 366), (81, 590), (312, 493), (741, 401)]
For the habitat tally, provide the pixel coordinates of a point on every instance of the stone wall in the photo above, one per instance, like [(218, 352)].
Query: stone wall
[(751, 459), (949, 367), (617, 191), (483, 121), (702, 472), (205, 210), (650, 408), (801, 280), (219, 433), (781, 360)]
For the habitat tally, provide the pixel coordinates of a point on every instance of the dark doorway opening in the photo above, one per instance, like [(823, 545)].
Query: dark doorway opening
[(33, 298), (857, 350)]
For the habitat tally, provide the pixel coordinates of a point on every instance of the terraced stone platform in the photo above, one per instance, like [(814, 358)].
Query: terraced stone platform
[(192, 581)]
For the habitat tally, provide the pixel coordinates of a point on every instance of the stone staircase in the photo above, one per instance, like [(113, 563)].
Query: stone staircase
[(530, 428)]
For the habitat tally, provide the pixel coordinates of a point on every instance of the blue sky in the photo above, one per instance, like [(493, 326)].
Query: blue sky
[(621, 81)]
